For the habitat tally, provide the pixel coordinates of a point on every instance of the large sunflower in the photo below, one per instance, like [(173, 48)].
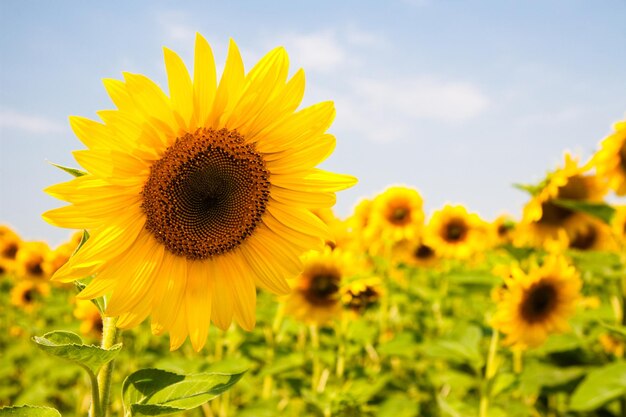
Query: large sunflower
[(544, 220), (610, 160), (537, 303), (191, 199)]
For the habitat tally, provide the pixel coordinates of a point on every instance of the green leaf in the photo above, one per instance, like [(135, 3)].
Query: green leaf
[(72, 171), (533, 189), (620, 331), (28, 411), (600, 211), (153, 392), (600, 386), (68, 345)]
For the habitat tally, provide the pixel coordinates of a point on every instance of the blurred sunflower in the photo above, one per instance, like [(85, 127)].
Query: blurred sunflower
[(316, 295), (532, 305), (26, 294), (502, 230), (361, 294), (357, 223), (454, 233), (543, 219), (591, 234), (191, 199), (417, 253), (7, 266), (396, 214), (90, 318), (610, 160), (58, 257), (336, 226), (9, 243), (30, 260), (618, 224)]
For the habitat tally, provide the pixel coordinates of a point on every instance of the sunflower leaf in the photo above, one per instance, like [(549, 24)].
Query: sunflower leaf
[(600, 211), (28, 411), (68, 345), (72, 171), (599, 387), (152, 392)]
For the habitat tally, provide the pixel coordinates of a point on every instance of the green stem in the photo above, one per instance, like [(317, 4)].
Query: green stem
[(490, 372), (110, 335), (96, 407), (315, 342)]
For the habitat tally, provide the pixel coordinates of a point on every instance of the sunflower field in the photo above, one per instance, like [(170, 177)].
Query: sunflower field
[(202, 215)]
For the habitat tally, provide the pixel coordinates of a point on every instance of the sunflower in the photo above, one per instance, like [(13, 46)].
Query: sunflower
[(543, 219), (357, 223), (316, 295), (396, 215), (9, 243), (502, 230), (89, 316), (618, 224), (418, 253), (27, 293), (361, 294), (7, 266), (192, 199), (58, 257), (337, 227), (454, 233), (31, 260), (537, 303), (591, 234), (610, 160)]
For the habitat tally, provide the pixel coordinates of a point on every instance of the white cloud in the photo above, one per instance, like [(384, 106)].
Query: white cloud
[(385, 110), (10, 119), (317, 51)]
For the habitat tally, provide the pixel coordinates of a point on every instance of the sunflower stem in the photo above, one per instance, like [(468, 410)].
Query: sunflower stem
[(96, 406), (491, 369), (315, 342), (110, 334)]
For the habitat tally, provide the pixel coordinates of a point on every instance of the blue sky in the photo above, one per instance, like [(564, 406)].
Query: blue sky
[(459, 99)]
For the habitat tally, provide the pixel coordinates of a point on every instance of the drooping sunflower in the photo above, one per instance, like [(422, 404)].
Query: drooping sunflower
[(26, 294), (543, 220), (316, 295), (193, 198), (397, 214), (535, 304), (610, 160), (453, 232)]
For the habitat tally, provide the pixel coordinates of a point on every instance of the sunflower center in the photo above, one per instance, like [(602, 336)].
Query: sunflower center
[(10, 251), (363, 299), (539, 302), (206, 195), (34, 269), (585, 239), (323, 288), (28, 296), (455, 231), (622, 156), (424, 252), (400, 215)]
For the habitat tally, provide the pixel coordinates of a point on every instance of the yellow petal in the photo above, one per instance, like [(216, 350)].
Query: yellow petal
[(230, 87), (204, 80), (198, 298), (181, 89)]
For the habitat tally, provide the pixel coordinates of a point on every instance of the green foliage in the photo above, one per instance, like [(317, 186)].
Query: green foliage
[(152, 392), (70, 346), (600, 211), (28, 411), (72, 171), (600, 386)]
